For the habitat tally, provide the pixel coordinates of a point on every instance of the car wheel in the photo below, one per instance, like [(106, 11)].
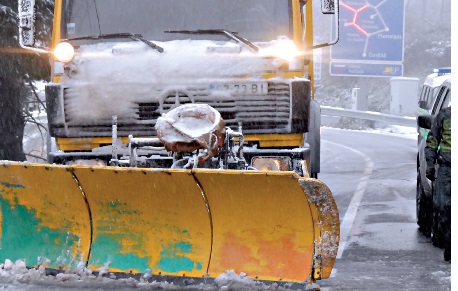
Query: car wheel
[(423, 210), (436, 237)]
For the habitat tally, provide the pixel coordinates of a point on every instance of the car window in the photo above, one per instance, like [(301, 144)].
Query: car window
[(432, 93), (424, 93), (447, 99), (427, 97), (439, 98)]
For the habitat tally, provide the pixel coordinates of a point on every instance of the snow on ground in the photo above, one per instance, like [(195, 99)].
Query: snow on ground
[(402, 131), (397, 130), (15, 276)]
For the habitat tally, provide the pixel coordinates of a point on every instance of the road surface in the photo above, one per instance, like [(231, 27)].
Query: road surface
[(373, 179)]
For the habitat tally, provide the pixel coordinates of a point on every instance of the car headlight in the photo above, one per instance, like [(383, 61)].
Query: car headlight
[(64, 52)]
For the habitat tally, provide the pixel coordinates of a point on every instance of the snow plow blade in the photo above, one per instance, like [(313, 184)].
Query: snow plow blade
[(273, 226)]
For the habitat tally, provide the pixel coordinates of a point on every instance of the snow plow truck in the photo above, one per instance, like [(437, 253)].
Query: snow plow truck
[(184, 141)]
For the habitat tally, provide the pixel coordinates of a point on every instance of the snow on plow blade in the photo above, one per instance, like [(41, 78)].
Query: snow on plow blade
[(271, 225)]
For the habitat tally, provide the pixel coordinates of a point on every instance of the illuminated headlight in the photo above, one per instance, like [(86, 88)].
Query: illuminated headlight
[(286, 53), (271, 163), (285, 50), (296, 64), (64, 52)]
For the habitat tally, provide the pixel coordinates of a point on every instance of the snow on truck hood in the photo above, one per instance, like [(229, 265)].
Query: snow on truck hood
[(109, 78), (181, 59)]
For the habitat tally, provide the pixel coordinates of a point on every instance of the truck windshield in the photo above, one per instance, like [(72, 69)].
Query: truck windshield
[(255, 20)]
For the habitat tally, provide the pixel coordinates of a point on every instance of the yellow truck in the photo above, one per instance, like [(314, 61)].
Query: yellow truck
[(184, 142)]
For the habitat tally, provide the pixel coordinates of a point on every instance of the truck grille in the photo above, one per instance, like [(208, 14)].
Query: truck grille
[(268, 113), (257, 113)]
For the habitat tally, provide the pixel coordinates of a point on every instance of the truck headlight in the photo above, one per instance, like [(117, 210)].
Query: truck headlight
[(271, 163), (285, 50), (286, 53), (64, 52)]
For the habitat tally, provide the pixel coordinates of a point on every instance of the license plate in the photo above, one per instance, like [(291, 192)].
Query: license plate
[(245, 88)]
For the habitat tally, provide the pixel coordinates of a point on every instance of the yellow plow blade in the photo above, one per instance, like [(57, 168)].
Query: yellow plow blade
[(273, 226), (262, 225), (265, 224), (147, 220), (43, 216), (327, 230)]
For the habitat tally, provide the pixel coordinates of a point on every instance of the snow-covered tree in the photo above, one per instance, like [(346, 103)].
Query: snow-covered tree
[(18, 67)]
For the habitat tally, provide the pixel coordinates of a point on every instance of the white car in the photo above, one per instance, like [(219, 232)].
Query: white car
[(424, 185), (428, 93)]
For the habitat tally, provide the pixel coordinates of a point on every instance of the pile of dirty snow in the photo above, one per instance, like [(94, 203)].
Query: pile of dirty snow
[(15, 276)]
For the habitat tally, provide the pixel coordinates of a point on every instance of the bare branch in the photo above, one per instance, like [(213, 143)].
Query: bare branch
[(36, 94), (36, 157), (29, 118)]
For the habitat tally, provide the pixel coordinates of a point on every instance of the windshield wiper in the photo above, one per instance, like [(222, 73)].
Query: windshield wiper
[(231, 35), (137, 37)]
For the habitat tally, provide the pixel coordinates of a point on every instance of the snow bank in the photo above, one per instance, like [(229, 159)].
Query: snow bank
[(15, 276), (231, 281)]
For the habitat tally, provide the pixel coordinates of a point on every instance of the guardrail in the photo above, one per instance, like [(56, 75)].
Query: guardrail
[(369, 115)]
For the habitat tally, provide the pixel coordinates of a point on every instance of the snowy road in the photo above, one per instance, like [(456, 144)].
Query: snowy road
[(373, 179)]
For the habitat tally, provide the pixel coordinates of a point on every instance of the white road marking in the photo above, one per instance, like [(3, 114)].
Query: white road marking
[(349, 218), (333, 272)]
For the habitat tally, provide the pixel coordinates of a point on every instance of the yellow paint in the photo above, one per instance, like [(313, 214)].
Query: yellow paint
[(309, 44), (1, 223), (265, 140), (270, 225), (285, 75), (297, 24), (56, 35), (81, 144), (277, 140), (57, 19), (262, 224), (52, 195), (146, 212), (327, 230)]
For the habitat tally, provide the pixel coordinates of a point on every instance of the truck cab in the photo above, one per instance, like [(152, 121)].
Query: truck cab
[(135, 61)]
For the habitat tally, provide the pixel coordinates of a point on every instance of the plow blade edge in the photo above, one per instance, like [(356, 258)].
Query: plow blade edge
[(199, 223)]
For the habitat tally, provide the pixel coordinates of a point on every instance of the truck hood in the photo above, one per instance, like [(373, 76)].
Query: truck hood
[(181, 60), (108, 79)]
